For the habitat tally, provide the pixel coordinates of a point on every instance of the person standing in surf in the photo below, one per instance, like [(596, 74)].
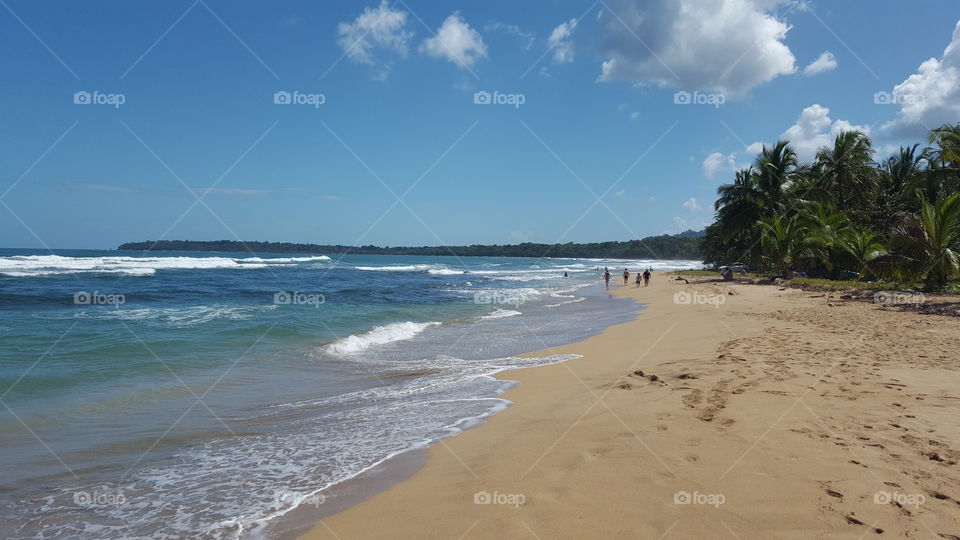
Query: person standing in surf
[(606, 278)]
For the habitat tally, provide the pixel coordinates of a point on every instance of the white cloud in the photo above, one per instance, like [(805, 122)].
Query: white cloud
[(679, 224), (526, 37), (729, 46), (102, 187), (825, 62), (814, 129), (754, 149), (521, 236), (561, 43), (456, 42), (235, 192), (621, 193), (718, 161), (691, 204), (634, 115), (930, 97), (381, 27)]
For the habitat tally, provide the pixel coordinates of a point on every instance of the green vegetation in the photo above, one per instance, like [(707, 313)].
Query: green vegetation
[(845, 215), (681, 246), (840, 284)]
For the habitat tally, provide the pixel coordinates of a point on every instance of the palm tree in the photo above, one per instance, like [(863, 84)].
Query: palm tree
[(845, 168), (947, 138), (776, 170), (863, 247), (785, 242), (930, 240), (757, 191), (825, 227)]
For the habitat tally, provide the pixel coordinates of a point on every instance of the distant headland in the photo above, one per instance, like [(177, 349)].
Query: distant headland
[(686, 245)]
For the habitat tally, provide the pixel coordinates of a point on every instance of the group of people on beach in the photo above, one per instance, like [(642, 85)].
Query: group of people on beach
[(645, 277)]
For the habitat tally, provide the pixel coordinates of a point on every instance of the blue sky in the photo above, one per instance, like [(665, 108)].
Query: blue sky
[(597, 150)]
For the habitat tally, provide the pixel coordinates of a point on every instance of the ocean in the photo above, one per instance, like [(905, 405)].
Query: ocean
[(205, 395)]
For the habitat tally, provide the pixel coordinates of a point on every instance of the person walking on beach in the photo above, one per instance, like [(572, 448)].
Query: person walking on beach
[(639, 277), (626, 276), (606, 277), (646, 277)]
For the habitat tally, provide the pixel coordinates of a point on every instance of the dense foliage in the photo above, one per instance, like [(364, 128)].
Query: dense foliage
[(845, 213), (682, 246)]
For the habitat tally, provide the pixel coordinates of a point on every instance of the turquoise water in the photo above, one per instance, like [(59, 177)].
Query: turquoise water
[(204, 394)]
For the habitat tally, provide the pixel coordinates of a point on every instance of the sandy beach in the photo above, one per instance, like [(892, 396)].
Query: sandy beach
[(749, 412)]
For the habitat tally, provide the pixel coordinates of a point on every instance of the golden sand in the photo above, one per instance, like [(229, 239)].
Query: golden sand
[(774, 414)]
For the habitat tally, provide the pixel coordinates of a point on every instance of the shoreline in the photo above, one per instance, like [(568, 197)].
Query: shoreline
[(402, 465), (756, 405)]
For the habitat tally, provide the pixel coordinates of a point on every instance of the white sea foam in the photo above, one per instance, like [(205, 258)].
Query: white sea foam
[(574, 301), (445, 271), (501, 314), (50, 265), (400, 268), (379, 335)]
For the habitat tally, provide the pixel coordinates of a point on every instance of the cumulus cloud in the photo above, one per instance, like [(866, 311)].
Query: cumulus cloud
[(814, 130), (825, 62), (560, 41), (457, 42), (930, 97), (718, 161), (691, 204), (729, 46), (376, 28), (755, 148)]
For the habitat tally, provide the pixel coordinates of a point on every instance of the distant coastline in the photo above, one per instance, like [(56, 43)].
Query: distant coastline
[(686, 245)]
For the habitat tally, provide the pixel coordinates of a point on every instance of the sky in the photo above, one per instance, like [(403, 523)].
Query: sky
[(424, 122)]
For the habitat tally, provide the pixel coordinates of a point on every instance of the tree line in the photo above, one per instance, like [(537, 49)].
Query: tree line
[(683, 246), (845, 213)]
